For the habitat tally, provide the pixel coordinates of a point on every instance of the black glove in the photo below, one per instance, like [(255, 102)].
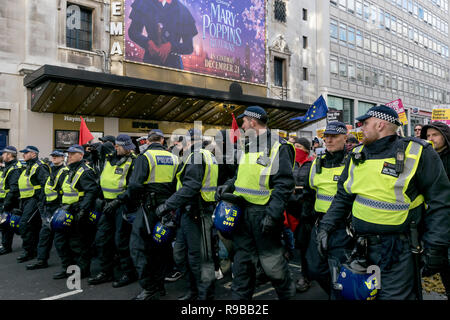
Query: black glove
[(168, 221), (16, 212), (322, 241), (161, 210), (435, 261), (268, 224), (111, 206), (221, 190), (83, 216)]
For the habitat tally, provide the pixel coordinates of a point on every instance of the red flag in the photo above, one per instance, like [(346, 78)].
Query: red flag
[(234, 133), (85, 134)]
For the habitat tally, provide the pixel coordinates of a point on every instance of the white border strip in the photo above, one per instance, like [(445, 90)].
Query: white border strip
[(63, 295)]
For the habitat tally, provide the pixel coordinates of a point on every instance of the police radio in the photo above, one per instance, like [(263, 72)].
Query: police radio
[(399, 161), (358, 157)]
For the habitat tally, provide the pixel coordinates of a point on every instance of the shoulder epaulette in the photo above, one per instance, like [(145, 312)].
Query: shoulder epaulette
[(423, 143)]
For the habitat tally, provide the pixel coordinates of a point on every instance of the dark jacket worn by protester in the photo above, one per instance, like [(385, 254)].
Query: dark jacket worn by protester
[(444, 129), (281, 181), (11, 200), (87, 184), (430, 180)]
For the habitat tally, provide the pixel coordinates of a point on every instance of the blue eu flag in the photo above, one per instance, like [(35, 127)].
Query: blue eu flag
[(317, 111)]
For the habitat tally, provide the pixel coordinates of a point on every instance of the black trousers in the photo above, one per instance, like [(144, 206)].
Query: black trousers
[(46, 235), (151, 260), (113, 237), (75, 245), (30, 225), (250, 246), (340, 245)]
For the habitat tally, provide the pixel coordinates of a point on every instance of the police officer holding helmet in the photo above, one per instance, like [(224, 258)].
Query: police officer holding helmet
[(9, 193), (52, 201), (151, 183), (113, 233), (79, 191), (385, 184), (196, 187), (31, 183), (265, 180), (321, 189)]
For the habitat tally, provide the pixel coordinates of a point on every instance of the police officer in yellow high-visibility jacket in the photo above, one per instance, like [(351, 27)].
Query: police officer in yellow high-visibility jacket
[(113, 232), (321, 189), (9, 193), (151, 184), (52, 201), (196, 187), (385, 184), (79, 192), (31, 185), (265, 180)]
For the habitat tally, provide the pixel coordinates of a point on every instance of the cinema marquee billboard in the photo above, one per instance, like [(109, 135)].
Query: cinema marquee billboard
[(222, 38)]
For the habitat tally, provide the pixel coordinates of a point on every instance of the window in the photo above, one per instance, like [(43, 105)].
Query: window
[(359, 39), (351, 71), (394, 53), (346, 105), (381, 47), (280, 10), (305, 42), (333, 30), (368, 76), (360, 73), (375, 73), (387, 51), (359, 10), (342, 33), (342, 4), (387, 20), (351, 6), (367, 43), (374, 46), (305, 14), (388, 81), (334, 65), (393, 23), (343, 67), (363, 107), (366, 12), (79, 35), (305, 74), (381, 18), (351, 37), (278, 67)]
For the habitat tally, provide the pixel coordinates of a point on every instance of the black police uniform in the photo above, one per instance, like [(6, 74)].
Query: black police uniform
[(191, 214), (46, 235), (30, 222), (74, 246), (151, 260), (389, 245), (113, 232), (250, 244), (10, 202), (340, 243)]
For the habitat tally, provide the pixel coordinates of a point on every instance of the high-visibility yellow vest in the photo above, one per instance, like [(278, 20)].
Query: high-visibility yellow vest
[(209, 182), (4, 176), (70, 193), (253, 175), (325, 185), (113, 179), (51, 193), (381, 192), (26, 188), (162, 166)]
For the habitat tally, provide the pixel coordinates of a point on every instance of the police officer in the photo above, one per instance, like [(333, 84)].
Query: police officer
[(80, 190), (9, 193), (52, 202), (264, 179), (196, 187), (385, 183), (31, 183), (323, 177), (151, 183), (113, 233)]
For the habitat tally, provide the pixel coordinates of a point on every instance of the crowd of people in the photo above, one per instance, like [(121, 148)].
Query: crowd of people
[(149, 211)]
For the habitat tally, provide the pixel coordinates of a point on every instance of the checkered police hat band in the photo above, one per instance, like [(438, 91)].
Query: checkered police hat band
[(383, 116), (252, 114), (337, 129), (10, 150), (122, 143)]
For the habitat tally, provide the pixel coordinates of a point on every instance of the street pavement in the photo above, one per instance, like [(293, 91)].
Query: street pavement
[(17, 283)]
